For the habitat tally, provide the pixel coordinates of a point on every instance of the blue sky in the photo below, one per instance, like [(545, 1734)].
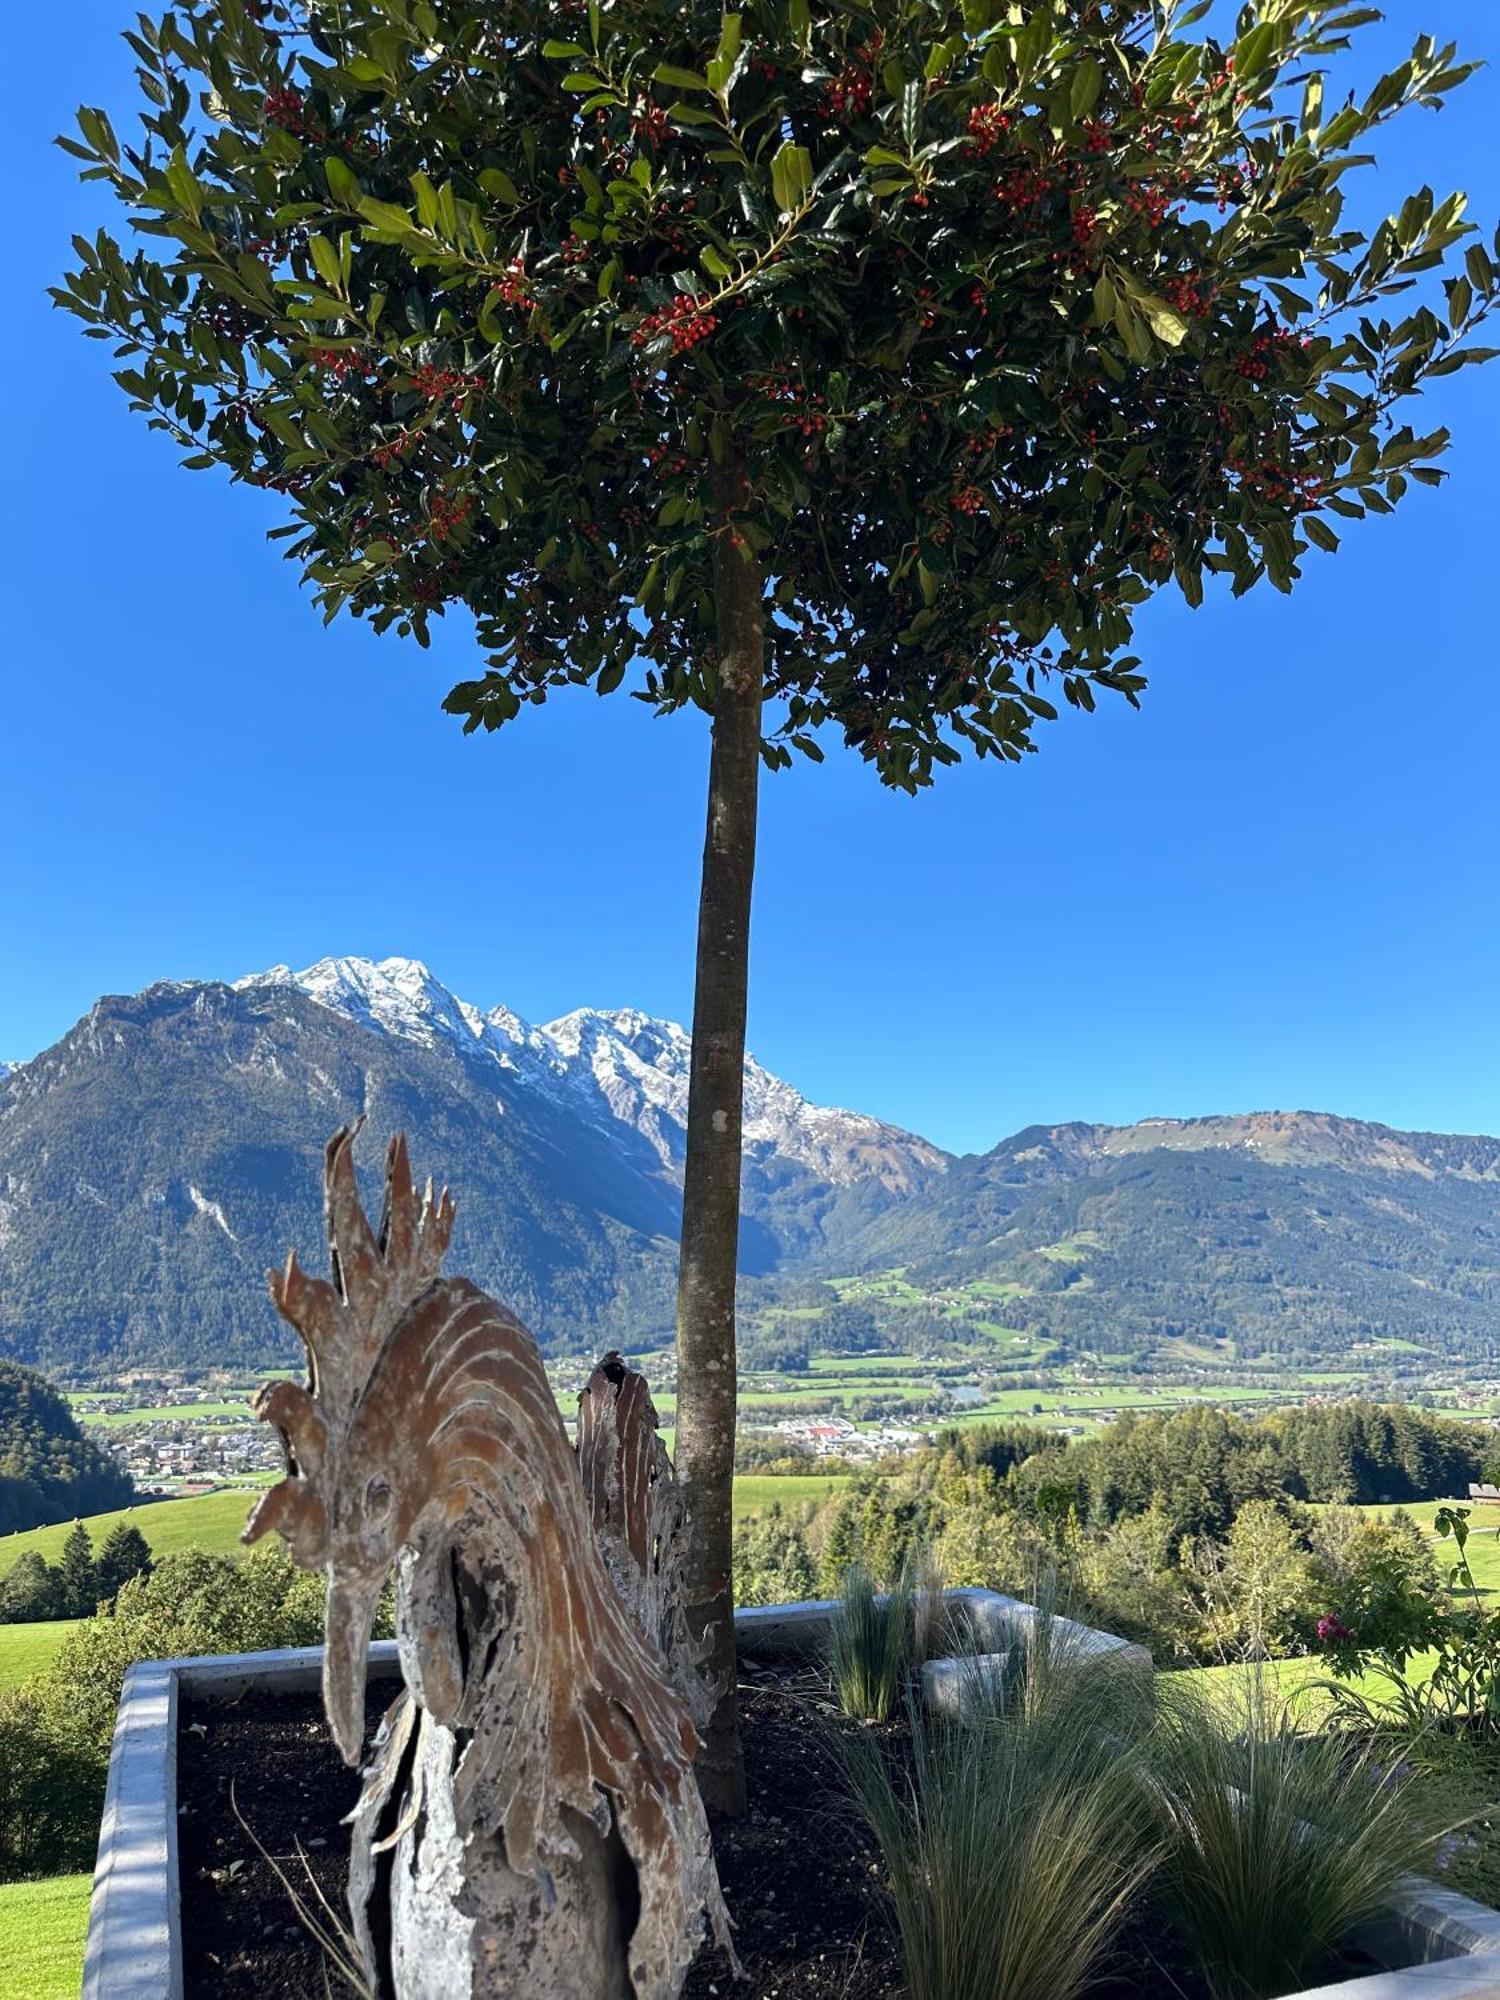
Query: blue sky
[(1278, 885)]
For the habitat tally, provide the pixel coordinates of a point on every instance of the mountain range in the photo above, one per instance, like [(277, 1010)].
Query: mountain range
[(160, 1156)]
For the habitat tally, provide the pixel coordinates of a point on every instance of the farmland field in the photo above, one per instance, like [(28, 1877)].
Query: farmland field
[(754, 1492), (165, 1413), (41, 1937)]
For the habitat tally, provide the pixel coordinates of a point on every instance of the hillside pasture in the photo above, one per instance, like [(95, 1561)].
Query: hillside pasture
[(205, 1521)]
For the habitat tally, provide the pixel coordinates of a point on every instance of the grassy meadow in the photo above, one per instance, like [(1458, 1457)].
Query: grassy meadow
[(41, 1937), (31, 1649), (206, 1521)]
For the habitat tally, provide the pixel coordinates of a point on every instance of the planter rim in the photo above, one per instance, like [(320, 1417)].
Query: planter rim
[(134, 1944)]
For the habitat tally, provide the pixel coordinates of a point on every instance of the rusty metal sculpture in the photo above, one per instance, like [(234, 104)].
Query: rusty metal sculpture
[(529, 1822)]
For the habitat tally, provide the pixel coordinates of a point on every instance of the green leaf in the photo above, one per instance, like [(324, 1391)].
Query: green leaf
[(1165, 321), (343, 182), (495, 181), (1254, 51), (561, 51), (1088, 82), (682, 79), (911, 113), (715, 262), (326, 262), (183, 184), (791, 176), (385, 215)]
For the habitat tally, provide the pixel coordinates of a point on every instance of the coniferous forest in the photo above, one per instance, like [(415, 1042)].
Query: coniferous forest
[(49, 1471)]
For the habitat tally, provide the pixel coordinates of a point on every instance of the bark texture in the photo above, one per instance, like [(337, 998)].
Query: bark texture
[(530, 1827), (706, 1397)]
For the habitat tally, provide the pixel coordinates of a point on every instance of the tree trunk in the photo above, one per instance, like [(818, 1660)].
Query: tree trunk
[(711, 1176)]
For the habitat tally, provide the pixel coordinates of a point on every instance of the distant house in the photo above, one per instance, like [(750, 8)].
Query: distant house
[(1485, 1495)]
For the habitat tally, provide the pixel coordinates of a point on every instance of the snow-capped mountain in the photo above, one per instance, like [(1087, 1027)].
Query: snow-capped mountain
[(160, 1156), (168, 1149), (619, 1066)]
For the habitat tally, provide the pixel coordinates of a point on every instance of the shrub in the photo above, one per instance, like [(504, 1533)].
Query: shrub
[(1017, 1839), (1385, 1628), (55, 1730), (1275, 1843), (31, 1590), (51, 1787), (772, 1562)]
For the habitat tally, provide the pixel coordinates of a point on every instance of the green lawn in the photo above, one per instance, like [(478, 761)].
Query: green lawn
[(1483, 1549), (41, 1937), (30, 1649), (1296, 1679)]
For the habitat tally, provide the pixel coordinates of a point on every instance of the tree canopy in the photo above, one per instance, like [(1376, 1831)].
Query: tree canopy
[(1004, 318), (49, 1471)]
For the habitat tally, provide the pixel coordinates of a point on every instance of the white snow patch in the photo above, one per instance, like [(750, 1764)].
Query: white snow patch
[(211, 1209)]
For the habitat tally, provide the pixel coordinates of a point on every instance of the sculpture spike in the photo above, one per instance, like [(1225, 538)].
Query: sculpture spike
[(351, 1242), (400, 1219)]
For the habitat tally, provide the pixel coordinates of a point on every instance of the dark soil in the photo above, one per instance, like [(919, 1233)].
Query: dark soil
[(800, 1874), (270, 1758), (260, 1783)]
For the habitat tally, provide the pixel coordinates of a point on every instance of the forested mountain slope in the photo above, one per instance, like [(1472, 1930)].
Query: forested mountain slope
[(49, 1471)]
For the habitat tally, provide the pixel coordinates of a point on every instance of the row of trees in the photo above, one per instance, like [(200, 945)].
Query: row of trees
[(1191, 1532), (79, 1582)]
